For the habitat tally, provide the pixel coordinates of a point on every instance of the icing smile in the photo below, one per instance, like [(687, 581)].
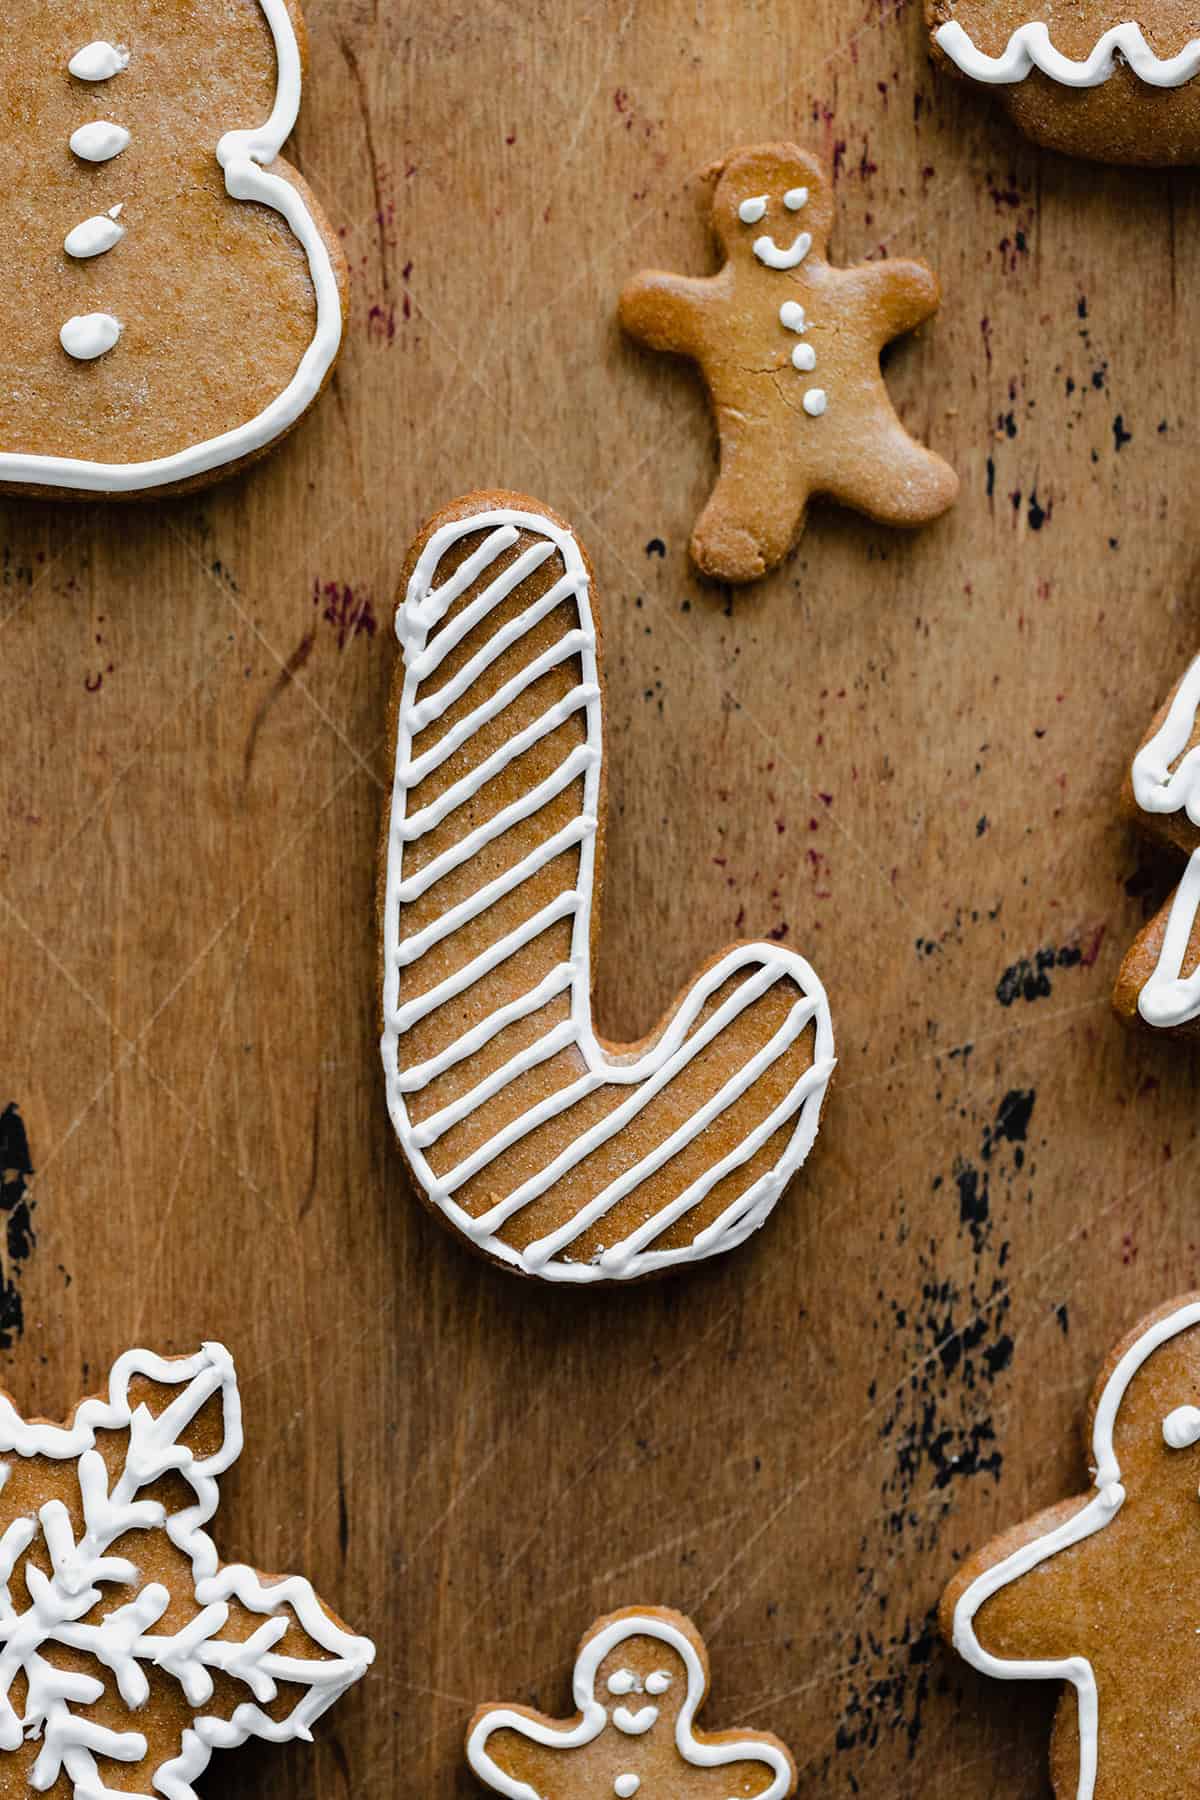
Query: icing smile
[(768, 251), (1030, 47)]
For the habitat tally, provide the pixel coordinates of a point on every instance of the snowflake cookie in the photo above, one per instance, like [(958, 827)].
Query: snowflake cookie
[(552, 1151), (128, 1651), (641, 1677), (1096, 1592), (1159, 980), (789, 349)]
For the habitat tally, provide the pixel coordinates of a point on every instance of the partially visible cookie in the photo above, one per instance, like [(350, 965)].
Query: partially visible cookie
[(131, 1652), (554, 1152), (174, 297), (1082, 76), (641, 1677), (1159, 980), (1096, 1592), (788, 347)]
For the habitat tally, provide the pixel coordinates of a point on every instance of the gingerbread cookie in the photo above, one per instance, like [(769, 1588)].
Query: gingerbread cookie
[(130, 1652), (1081, 75), (555, 1153), (641, 1677), (1095, 1592), (789, 350), (1159, 980), (175, 298)]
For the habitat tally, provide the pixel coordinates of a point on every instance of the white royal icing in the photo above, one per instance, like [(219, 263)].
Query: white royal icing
[(768, 251), (245, 157), (1168, 998), (594, 1718), (761, 966), (658, 1682), (89, 335), (625, 1786), (751, 211), (1030, 47), (791, 314), (1100, 1511), (804, 358), (795, 198), (622, 1681), (95, 235), (99, 141), (634, 1724), (816, 401), (99, 61), (74, 1607)]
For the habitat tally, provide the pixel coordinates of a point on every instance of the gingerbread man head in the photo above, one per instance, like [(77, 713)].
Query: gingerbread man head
[(772, 206), (1095, 1592), (640, 1678)]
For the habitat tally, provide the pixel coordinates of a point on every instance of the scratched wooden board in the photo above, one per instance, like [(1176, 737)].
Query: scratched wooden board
[(900, 756)]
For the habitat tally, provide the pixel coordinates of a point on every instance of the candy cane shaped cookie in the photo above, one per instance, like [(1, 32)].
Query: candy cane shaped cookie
[(556, 1154)]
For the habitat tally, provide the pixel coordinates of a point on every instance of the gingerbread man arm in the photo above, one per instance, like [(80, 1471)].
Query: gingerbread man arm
[(664, 311), (908, 293), (1036, 1614)]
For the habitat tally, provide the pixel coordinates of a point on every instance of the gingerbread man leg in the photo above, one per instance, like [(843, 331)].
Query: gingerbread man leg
[(755, 513), (896, 481)]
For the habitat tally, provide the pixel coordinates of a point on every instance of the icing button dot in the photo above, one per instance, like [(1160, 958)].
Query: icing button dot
[(792, 316), (625, 1786), (89, 335), (815, 402), (1181, 1428), (99, 61), (804, 357), (99, 141)]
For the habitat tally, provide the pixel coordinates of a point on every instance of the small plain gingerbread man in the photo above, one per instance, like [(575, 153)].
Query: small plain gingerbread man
[(640, 1678), (789, 349)]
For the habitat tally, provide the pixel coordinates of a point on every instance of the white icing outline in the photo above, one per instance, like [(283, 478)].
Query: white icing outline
[(1167, 999), (423, 608), (594, 1716), (64, 1601), (1094, 1516), (244, 156), (1030, 47)]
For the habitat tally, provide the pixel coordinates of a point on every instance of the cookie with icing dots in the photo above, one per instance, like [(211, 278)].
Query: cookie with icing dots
[(1159, 981), (557, 1154), (130, 1651), (1095, 1592), (175, 298), (641, 1677), (1084, 76), (788, 347)]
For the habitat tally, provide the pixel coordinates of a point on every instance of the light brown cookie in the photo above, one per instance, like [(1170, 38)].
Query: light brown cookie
[(131, 1652), (1096, 1591), (554, 1152), (789, 348), (1085, 76), (174, 299), (1159, 980), (640, 1678)]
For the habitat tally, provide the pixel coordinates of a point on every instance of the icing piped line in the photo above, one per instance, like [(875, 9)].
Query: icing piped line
[(1030, 47), (1094, 1516), (1168, 999), (687, 1034), (244, 156)]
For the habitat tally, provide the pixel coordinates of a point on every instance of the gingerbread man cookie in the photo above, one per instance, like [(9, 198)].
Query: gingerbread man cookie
[(1081, 75), (789, 349), (130, 1651), (174, 298), (1097, 1591), (555, 1153), (1159, 980), (641, 1677)]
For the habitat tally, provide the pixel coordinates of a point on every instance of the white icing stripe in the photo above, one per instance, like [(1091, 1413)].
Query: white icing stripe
[(1168, 999), (1092, 1517), (709, 1753), (759, 966), (242, 155), (1030, 47), (70, 1608)]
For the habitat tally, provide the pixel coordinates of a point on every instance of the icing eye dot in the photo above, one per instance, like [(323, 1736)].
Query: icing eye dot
[(625, 1786), (795, 198), (804, 357), (815, 402), (622, 1682), (1181, 1428), (658, 1682), (791, 314), (751, 211)]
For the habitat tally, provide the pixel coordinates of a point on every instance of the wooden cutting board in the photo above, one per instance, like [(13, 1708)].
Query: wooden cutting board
[(899, 755)]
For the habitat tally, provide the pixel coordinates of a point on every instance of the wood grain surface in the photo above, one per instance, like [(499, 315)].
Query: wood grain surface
[(900, 755)]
